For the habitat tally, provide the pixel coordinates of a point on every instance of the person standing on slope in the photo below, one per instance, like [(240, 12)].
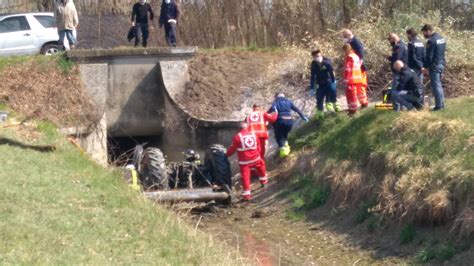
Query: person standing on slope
[(246, 144), (284, 107), (353, 80), (258, 121)]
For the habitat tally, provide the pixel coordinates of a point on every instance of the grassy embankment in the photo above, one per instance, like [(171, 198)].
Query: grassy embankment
[(413, 168), (59, 207)]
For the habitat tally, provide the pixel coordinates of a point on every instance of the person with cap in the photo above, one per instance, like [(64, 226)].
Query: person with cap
[(323, 83), (246, 144), (416, 53), (169, 18), (282, 127), (258, 121), (435, 63), (140, 21), (409, 93), (353, 80)]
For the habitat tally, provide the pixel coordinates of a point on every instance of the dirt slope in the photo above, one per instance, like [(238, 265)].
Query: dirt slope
[(225, 84)]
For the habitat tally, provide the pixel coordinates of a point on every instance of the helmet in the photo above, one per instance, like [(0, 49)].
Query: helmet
[(190, 154)]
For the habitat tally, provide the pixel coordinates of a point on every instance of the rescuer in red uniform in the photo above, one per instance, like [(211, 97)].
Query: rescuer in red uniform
[(257, 122), (247, 144), (354, 80)]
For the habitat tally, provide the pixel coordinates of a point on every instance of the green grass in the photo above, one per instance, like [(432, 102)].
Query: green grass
[(62, 63), (407, 234), (305, 195), (60, 208)]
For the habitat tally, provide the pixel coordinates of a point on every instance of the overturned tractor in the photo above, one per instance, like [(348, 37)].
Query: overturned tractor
[(192, 180)]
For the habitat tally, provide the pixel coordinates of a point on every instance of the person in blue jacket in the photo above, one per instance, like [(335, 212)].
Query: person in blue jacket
[(435, 62), (282, 127), (399, 52), (169, 18), (416, 53), (323, 83)]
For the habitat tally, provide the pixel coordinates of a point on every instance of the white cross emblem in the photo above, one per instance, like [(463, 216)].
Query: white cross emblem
[(254, 117), (249, 142)]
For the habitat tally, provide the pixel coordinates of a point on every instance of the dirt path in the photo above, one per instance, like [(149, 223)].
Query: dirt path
[(262, 232)]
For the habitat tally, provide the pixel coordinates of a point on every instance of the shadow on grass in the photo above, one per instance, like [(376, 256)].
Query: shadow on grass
[(38, 148)]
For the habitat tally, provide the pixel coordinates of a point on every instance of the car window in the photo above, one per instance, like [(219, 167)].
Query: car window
[(46, 21), (13, 24)]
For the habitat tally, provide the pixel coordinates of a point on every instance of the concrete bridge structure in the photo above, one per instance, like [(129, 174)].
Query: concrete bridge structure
[(135, 90)]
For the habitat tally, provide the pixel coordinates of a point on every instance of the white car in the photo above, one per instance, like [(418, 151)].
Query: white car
[(28, 34)]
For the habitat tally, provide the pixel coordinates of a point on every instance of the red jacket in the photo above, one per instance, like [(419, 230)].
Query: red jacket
[(258, 121), (352, 70), (246, 144)]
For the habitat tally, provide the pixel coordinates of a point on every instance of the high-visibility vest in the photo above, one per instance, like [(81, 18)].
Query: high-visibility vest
[(353, 73), (248, 152), (257, 124), (248, 142)]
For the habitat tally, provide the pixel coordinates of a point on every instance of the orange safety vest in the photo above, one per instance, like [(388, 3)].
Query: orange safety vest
[(257, 124), (352, 69)]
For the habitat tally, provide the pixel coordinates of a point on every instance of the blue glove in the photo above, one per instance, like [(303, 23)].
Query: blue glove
[(306, 119), (312, 93), (334, 85)]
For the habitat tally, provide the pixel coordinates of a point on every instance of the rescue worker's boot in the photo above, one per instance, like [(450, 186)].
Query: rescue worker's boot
[(246, 196), (330, 107), (285, 151), (337, 107), (263, 182)]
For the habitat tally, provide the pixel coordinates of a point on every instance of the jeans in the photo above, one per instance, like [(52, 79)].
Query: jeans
[(282, 128), (170, 32), (142, 34), (327, 91), (403, 99), (69, 35), (437, 86), (420, 75)]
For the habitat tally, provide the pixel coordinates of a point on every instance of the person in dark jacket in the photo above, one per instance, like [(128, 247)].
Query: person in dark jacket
[(409, 93), (323, 83), (416, 53), (140, 19), (282, 127), (355, 43), (399, 52), (169, 18), (359, 50), (434, 63)]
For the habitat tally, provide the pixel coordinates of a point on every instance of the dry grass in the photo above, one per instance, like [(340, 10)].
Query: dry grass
[(417, 166), (46, 88)]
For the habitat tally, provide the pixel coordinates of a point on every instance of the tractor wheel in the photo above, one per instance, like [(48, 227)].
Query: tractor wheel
[(219, 167), (153, 170)]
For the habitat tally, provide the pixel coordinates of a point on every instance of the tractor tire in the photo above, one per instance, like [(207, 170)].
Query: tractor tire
[(153, 171), (219, 166)]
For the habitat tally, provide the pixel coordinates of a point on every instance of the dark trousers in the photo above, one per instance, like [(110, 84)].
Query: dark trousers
[(142, 34), (327, 92), (170, 32), (282, 128)]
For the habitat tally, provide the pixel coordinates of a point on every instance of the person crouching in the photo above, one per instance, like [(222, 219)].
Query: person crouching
[(246, 144)]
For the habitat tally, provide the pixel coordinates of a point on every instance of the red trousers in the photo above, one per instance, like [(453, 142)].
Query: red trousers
[(245, 172), (354, 94), (263, 147)]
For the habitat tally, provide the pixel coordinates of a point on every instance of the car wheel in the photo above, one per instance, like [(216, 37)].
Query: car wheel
[(50, 49)]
